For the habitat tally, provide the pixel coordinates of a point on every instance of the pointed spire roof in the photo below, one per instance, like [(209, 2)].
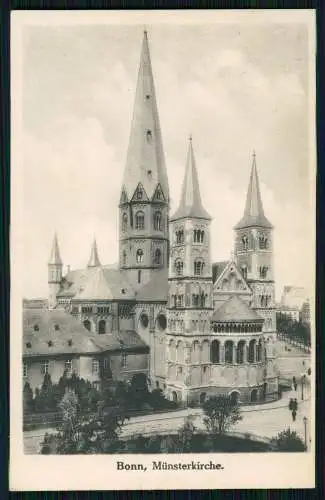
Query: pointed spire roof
[(94, 259), (145, 158), (254, 212), (190, 204), (55, 257)]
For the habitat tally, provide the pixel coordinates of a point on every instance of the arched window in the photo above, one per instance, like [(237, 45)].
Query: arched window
[(179, 265), (144, 320), (198, 236), (229, 351), (251, 351), (162, 322), (244, 272), (139, 194), (139, 256), (157, 259), (240, 351), (102, 326), (259, 351), (124, 222), (244, 242), (179, 236), (262, 242), (124, 259), (157, 221), (87, 325), (139, 220), (198, 268), (215, 351), (263, 272)]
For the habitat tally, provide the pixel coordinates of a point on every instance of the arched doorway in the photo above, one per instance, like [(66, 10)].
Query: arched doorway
[(234, 397), (87, 325), (174, 396), (254, 396), (203, 397)]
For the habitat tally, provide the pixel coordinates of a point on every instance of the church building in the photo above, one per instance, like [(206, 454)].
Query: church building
[(209, 327)]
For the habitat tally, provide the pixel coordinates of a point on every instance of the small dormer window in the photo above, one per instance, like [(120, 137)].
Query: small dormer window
[(56, 327), (69, 342), (28, 345), (50, 343), (149, 135), (149, 172), (36, 328), (147, 96), (123, 291)]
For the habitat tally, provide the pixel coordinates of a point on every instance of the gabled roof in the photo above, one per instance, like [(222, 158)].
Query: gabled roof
[(191, 204), (67, 335), (156, 289), (235, 310), (69, 331), (231, 276), (96, 283), (55, 257), (254, 212), (145, 158)]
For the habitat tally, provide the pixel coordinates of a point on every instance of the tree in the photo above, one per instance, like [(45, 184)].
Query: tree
[(288, 441), (221, 413), (27, 398), (80, 433), (45, 398), (185, 435)]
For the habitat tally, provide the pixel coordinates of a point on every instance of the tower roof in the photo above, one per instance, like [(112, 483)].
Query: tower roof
[(191, 204), (145, 162), (94, 259), (254, 212), (55, 257)]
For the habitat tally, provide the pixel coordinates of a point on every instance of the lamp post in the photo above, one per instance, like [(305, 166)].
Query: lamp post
[(305, 419)]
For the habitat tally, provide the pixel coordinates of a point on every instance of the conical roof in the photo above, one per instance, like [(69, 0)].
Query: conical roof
[(55, 257), (191, 204), (145, 162), (94, 259), (235, 310), (254, 212)]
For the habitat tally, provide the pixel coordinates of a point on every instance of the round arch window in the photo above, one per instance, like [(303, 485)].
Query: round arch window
[(162, 322), (144, 320)]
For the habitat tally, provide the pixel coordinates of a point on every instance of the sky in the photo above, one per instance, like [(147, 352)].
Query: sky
[(234, 87)]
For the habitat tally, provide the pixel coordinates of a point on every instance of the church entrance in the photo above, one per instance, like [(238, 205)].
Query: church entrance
[(254, 396), (174, 396), (234, 396)]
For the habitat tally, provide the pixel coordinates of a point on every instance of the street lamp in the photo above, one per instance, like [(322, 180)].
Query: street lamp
[(305, 419)]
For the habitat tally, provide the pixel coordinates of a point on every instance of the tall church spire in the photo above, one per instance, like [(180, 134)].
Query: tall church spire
[(94, 259), (191, 204), (55, 257), (254, 212), (145, 162)]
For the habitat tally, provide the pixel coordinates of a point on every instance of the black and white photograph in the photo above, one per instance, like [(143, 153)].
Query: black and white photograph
[(163, 248)]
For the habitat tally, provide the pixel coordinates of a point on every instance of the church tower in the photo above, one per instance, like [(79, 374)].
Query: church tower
[(144, 201), (190, 291), (254, 257), (55, 266)]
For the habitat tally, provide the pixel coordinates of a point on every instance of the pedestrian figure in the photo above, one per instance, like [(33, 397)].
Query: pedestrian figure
[(295, 405), (291, 404), (294, 413), (295, 385)]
